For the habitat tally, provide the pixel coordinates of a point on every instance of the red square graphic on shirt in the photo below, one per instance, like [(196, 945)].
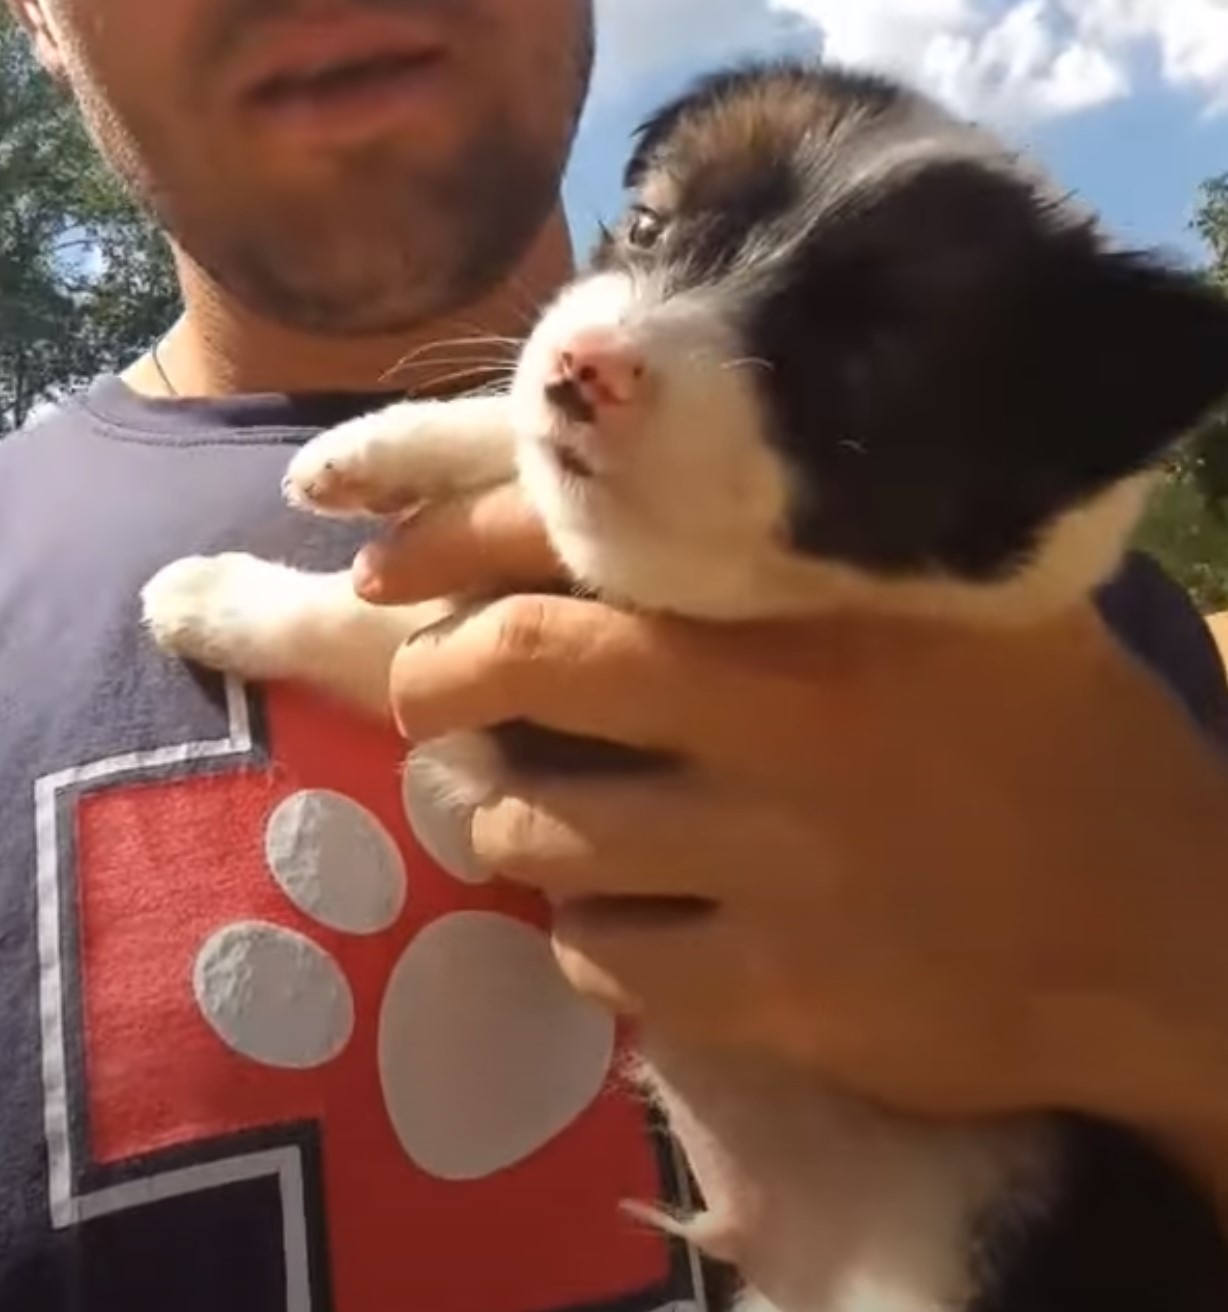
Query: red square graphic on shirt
[(542, 1231)]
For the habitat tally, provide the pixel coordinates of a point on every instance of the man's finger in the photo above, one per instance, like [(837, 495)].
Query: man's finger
[(486, 544), (635, 838), (681, 971), (575, 666)]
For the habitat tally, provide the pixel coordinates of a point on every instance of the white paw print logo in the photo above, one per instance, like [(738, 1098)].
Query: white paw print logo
[(484, 1053)]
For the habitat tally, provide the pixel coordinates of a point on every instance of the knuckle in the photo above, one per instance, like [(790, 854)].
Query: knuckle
[(521, 630)]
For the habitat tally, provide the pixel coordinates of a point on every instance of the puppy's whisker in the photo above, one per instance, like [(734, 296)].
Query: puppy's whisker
[(498, 384), (486, 339), (427, 349), (703, 357), (516, 343), (418, 367), (483, 357), (478, 361), (494, 389), (529, 307), (526, 318)]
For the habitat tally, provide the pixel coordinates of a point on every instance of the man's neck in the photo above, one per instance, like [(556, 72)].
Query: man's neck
[(219, 349)]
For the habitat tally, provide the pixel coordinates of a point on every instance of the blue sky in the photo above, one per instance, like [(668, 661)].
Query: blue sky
[(1126, 101)]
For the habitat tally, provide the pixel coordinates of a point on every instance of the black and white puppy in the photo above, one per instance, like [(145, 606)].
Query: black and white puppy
[(843, 351)]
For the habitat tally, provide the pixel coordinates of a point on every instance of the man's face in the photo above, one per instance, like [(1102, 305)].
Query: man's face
[(356, 203)]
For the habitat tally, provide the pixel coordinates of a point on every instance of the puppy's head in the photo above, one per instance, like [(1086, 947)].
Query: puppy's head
[(844, 348)]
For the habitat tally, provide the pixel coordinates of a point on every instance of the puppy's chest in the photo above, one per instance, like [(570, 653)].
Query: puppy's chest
[(825, 1204)]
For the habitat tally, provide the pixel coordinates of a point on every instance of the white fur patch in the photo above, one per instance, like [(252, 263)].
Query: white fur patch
[(824, 1203), (407, 453), (445, 782), (682, 512), (263, 620)]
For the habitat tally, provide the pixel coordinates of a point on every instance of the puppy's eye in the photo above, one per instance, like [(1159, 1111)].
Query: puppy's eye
[(645, 229)]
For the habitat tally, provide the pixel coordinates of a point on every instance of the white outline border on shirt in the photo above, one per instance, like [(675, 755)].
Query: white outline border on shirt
[(66, 1208)]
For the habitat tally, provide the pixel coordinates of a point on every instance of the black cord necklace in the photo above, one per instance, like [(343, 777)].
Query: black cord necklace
[(156, 357)]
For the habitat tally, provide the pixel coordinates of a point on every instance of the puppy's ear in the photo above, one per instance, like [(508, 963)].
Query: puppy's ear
[(1138, 356), (727, 86), (651, 135)]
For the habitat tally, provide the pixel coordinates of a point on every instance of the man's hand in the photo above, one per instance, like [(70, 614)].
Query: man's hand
[(960, 873), (489, 543)]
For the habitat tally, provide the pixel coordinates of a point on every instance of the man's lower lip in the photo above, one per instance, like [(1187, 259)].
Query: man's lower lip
[(347, 106)]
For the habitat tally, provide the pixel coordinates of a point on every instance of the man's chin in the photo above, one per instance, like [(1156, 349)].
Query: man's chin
[(373, 308)]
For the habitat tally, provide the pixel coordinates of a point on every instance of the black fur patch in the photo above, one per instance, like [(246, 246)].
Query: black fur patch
[(952, 359), (954, 369), (770, 97), (1127, 1234)]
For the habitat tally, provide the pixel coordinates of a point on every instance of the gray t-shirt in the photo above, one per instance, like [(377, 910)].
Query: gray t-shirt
[(258, 1050)]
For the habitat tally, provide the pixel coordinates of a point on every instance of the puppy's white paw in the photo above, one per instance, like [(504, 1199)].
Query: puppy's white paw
[(230, 612), (380, 464), (461, 771), (445, 782)]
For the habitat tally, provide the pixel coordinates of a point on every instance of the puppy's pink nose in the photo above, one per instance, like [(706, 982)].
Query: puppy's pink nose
[(601, 371)]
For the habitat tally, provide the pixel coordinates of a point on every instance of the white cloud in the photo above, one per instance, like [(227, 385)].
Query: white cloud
[(1191, 37), (998, 59)]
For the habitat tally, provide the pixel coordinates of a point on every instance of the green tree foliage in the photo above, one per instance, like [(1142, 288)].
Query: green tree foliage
[(1209, 448), (85, 280), (1187, 527)]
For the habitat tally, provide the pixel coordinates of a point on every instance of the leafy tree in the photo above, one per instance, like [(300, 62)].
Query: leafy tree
[(1187, 526), (1211, 224), (1209, 448), (85, 280)]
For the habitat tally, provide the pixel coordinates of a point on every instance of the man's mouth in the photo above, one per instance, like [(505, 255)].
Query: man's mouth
[(339, 80)]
